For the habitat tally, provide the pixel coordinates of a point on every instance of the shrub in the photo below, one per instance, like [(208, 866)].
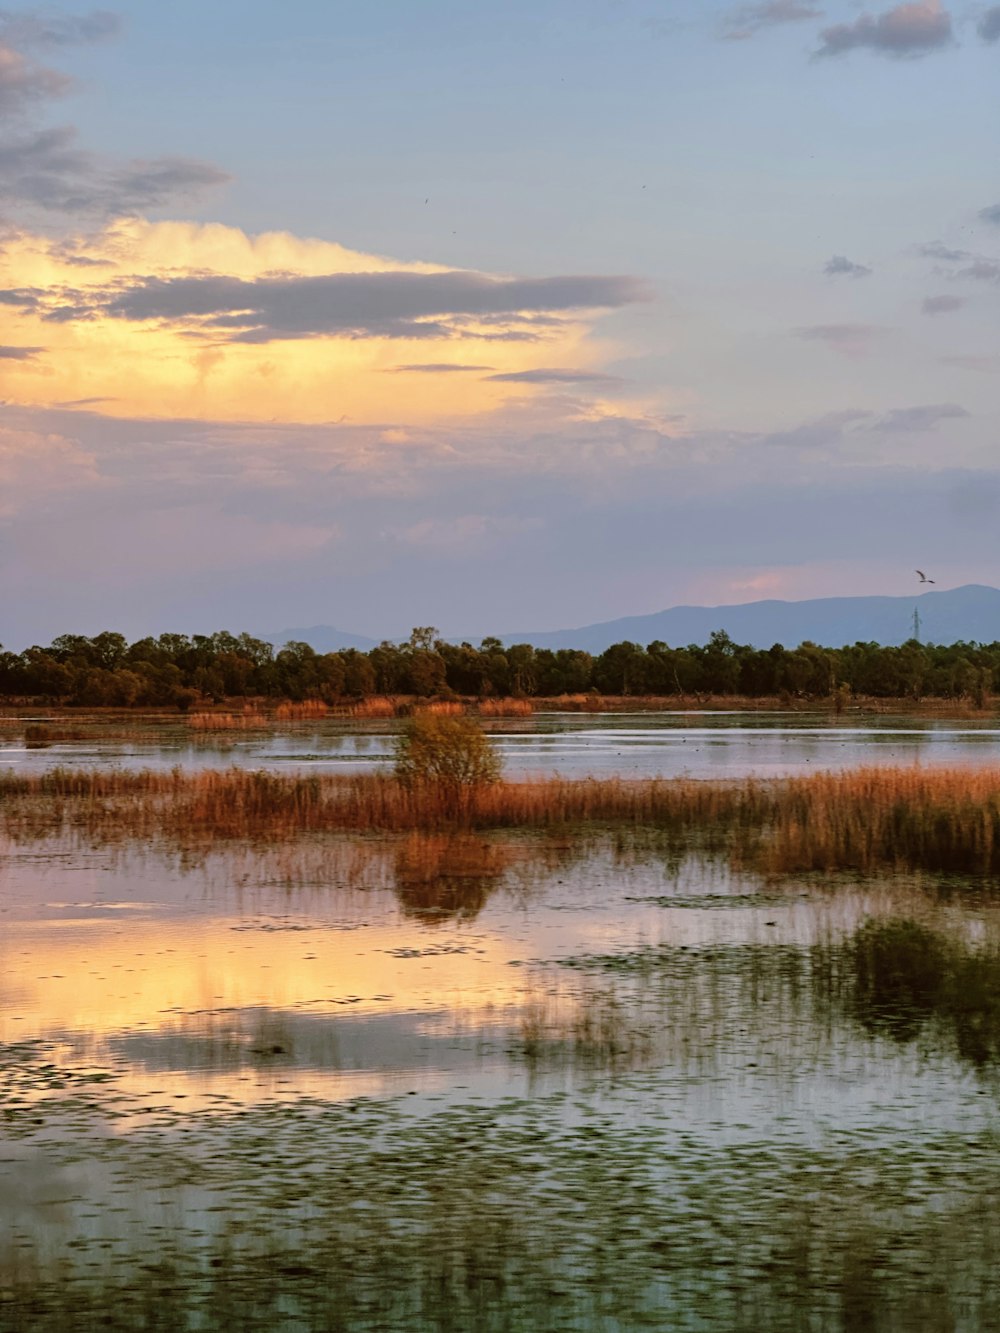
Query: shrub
[(450, 754)]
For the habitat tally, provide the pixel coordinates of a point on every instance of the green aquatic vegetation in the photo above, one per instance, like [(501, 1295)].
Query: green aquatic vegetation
[(548, 1213)]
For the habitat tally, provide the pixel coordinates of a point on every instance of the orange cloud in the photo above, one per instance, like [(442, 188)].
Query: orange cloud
[(100, 318)]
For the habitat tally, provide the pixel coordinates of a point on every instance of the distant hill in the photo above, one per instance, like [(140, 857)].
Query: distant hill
[(324, 638), (970, 613)]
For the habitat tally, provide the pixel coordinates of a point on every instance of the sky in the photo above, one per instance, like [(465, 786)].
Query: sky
[(493, 317)]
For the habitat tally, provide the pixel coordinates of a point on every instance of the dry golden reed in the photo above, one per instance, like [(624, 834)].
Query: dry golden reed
[(864, 821), (305, 711), (506, 708), (378, 705), (248, 720)]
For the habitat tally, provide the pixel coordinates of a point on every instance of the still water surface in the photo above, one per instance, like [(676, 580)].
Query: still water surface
[(483, 1082), (700, 745)]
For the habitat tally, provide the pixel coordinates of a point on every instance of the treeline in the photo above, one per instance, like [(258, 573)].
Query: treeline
[(175, 670)]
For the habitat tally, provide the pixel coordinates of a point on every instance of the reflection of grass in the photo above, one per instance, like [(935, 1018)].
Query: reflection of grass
[(899, 976), (440, 876)]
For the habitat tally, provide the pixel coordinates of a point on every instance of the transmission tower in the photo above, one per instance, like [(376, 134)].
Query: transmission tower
[(916, 624)]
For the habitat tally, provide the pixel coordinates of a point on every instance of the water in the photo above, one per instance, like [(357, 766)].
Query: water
[(260, 1086), (669, 744), (506, 1081)]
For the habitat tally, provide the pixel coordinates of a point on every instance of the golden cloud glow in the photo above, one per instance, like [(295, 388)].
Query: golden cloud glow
[(174, 368)]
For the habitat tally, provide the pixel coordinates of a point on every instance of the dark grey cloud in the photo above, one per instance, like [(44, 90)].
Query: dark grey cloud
[(980, 268), (25, 298), (555, 376), (45, 168), (46, 28), (48, 169), (942, 305), (823, 432), (359, 305), (850, 339), (750, 19), (19, 353), (904, 32), (433, 368), (991, 214), (988, 26), (911, 420), (841, 266)]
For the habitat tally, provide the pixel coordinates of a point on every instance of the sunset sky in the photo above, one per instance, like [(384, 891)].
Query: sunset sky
[(495, 317)]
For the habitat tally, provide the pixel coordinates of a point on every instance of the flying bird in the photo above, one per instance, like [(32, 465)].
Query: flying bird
[(923, 577)]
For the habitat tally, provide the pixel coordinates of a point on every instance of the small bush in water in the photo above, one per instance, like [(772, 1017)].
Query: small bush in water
[(449, 753)]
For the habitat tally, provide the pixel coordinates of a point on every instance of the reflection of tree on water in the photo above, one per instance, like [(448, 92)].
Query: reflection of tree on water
[(440, 876)]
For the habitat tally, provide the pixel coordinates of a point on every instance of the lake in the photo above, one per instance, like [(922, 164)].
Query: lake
[(707, 744), (499, 1081)]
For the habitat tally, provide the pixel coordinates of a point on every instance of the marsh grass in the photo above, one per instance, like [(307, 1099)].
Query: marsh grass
[(505, 708), (306, 710), (592, 1030), (251, 719), (866, 822)]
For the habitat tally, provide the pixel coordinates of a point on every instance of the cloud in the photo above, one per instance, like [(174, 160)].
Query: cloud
[(988, 26), (942, 305), (543, 376), (980, 268), (991, 214), (23, 83), (905, 32), (47, 169), (841, 266), (36, 466), (848, 339), (47, 29), (8, 353), (910, 420), (434, 368), (937, 250), (750, 19), (393, 304)]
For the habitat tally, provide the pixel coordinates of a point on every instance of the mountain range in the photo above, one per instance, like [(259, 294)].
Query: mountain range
[(970, 613)]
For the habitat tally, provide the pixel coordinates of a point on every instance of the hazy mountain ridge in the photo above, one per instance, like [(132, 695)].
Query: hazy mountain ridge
[(970, 613)]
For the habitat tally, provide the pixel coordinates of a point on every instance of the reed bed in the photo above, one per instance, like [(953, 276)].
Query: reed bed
[(866, 821), (505, 708), (439, 708), (249, 720), (378, 705), (306, 710)]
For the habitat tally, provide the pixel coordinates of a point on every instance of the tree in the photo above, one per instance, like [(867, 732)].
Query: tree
[(450, 755)]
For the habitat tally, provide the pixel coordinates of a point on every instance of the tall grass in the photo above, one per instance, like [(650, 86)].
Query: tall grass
[(866, 821), (378, 705), (506, 708), (251, 719), (305, 710)]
